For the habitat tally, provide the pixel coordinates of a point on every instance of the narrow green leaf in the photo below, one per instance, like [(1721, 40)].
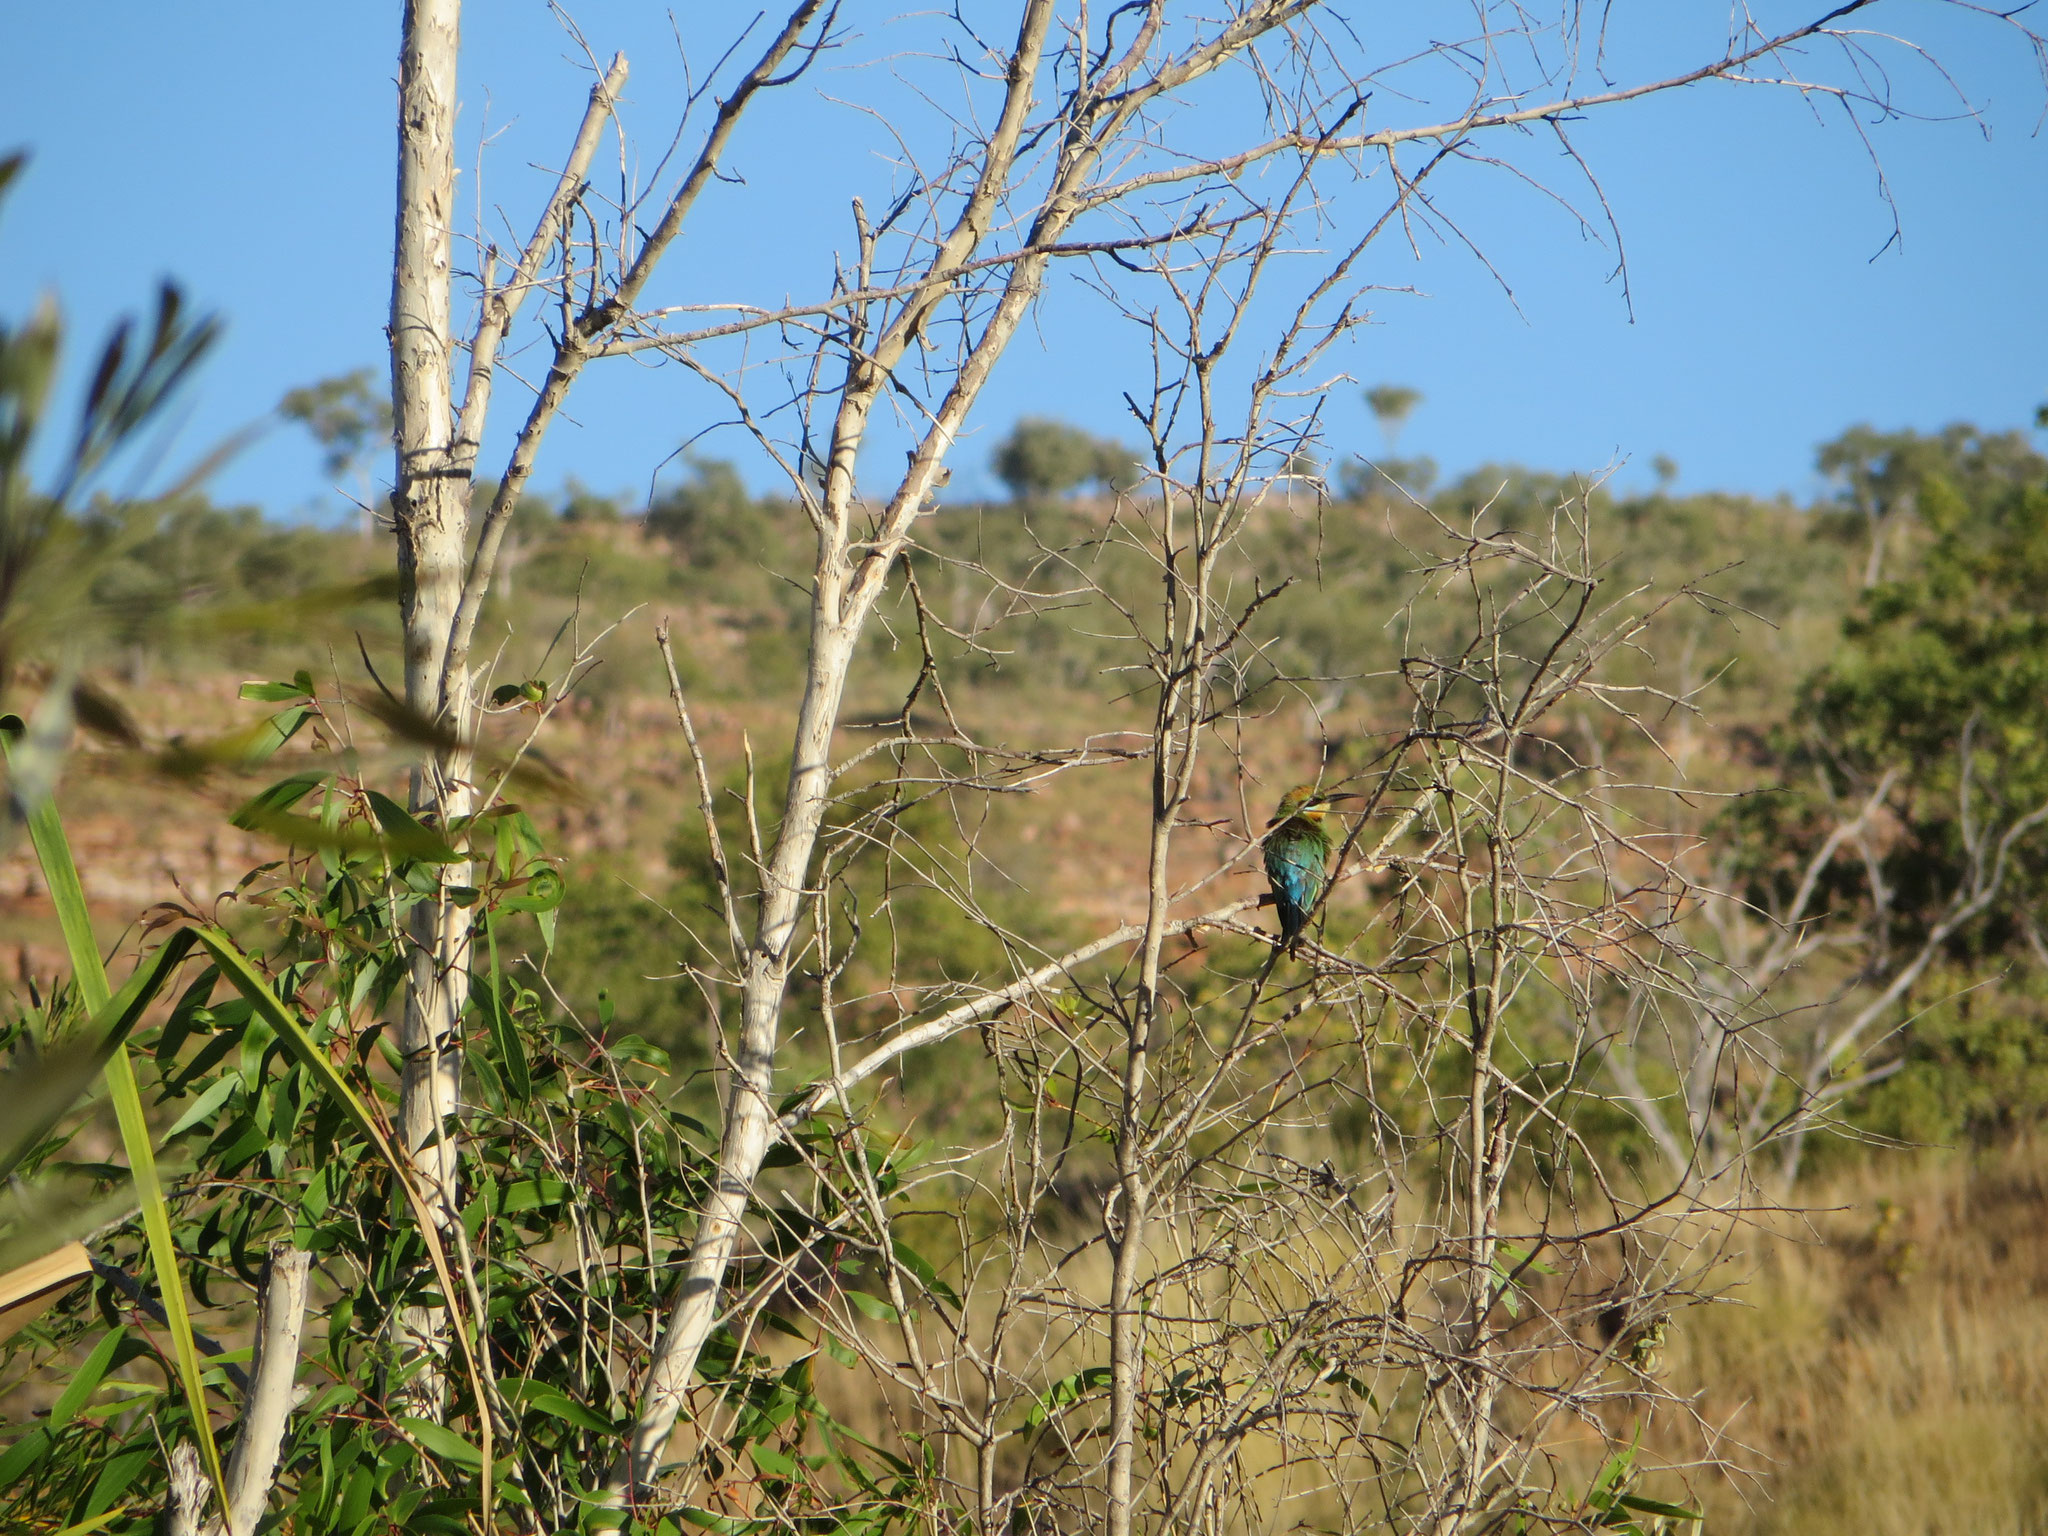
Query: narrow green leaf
[(511, 1051), (633, 1048), (24, 1455), (543, 1398), (87, 1381), (921, 1267), (1520, 1258), (872, 1306), (116, 1473), (276, 731), (443, 1441), (531, 1194), (721, 1525), (406, 835), (98, 1522), (60, 872), (205, 1105), (277, 693), (1641, 1505), (265, 808)]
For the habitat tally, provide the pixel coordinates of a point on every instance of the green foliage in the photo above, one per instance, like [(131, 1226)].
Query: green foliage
[(1973, 1069), (1936, 693), (266, 1076), (1043, 458), (1942, 681), (709, 519), (580, 504), (1881, 472), (1366, 480), (348, 416)]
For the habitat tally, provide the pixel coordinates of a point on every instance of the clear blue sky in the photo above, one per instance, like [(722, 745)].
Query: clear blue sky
[(246, 149)]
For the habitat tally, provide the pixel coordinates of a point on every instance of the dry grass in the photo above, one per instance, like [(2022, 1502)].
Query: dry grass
[(1886, 1369), (1880, 1366)]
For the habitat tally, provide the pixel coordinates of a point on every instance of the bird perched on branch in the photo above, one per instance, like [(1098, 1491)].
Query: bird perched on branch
[(1298, 857)]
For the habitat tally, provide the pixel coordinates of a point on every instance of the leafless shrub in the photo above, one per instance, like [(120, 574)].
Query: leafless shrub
[(1162, 1301)]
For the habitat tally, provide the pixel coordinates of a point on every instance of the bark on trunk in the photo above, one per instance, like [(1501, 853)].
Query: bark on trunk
[(750, 1106), (273, 1375), (430, 508)]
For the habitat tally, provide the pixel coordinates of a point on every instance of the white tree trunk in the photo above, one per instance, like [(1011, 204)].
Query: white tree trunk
[(750, 1107), (430, 507), (273, 1375)]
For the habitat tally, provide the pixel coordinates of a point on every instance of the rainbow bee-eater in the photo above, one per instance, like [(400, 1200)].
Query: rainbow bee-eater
[(1298, 857)]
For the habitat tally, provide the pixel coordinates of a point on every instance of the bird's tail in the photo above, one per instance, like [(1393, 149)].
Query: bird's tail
[(1293, 921)]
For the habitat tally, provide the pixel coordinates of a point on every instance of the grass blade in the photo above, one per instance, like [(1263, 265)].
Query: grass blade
[(53, 850)]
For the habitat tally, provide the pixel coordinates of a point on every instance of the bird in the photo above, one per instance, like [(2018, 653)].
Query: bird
[(1298, 857)]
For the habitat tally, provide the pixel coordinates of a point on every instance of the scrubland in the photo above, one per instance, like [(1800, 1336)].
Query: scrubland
[(1871, 1354)]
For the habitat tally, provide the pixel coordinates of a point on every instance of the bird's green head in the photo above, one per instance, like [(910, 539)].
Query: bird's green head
[(1308, 801)]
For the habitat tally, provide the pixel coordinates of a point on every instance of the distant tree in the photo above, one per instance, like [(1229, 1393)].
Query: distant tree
[(350, 419), (1043, 457), (580, 504), (1665, 468), (1912, 826), (1391, 405), (1882, 475), (1360, 478), (706, 513), (1942, 680)]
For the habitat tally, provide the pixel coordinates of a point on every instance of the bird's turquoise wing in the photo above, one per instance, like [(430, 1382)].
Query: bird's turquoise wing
[(1296, 864)]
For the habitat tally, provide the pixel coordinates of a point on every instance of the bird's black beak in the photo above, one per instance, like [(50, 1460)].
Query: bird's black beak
[(1333, 799)]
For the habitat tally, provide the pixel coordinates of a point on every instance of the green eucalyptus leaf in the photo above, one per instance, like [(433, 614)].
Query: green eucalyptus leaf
[(872, 1306), (87, 1380), (1643, 1506), (262, 811), (405, 833), (301, 687), (541, 891), (542, 1398), (443, 1441)]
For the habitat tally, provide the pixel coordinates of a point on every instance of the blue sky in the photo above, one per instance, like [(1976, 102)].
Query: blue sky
[(246, 149)]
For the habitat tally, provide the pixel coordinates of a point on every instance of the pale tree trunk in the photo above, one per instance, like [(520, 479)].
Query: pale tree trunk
[(441, 591), (843, 593), (430, 507), (273, 1375)]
